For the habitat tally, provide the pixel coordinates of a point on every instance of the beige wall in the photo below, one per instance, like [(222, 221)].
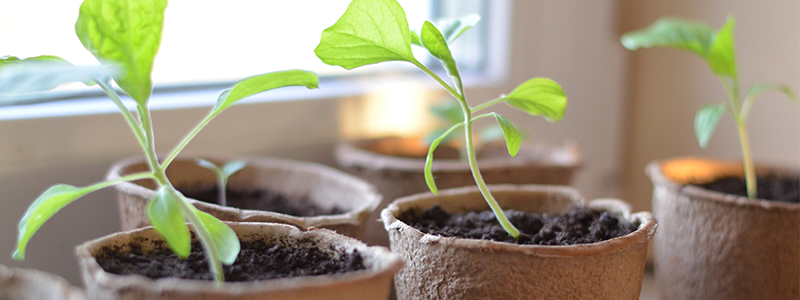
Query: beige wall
[(666, 87)]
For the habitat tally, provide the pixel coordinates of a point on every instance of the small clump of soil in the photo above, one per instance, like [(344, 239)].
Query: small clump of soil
[(579, 225), (256, 199), (256, 261), (770, 187)]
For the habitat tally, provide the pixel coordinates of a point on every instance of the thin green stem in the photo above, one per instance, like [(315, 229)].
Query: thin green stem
[(438, 79), (222, 182), (186, 141), (487, 104), (476, 173), (212, 253), (131, 177), (147, 126), (749, 169), (129, 118)]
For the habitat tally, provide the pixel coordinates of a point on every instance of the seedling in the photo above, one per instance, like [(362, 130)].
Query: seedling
[(124, 35), (373, 31), (717, 49), (222, 174)]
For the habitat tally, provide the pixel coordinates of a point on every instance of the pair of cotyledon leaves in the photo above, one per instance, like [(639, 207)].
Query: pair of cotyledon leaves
[(717, 49), (125, 35), (373, 31)]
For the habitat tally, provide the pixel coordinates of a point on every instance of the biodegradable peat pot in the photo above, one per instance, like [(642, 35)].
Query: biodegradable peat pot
[(26, 284), (371, 283), (395, 167), (712, 245), (324, 186), (455, 268)]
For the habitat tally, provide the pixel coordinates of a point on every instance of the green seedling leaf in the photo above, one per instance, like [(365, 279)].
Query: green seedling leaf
[(759, 88), (50, 202), (370, 31), (41, 75), (9, 60), (706, 121), (232, 167), (415, 38), (224, 237), (433, 40), (510, 132), (672, 33), (126, 33), (539, 96), (207, 164), (167, 217), (262, 83), (452, 29), (720, 56), (429, 159)]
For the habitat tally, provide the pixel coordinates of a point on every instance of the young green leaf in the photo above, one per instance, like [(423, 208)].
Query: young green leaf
[(224, 237), (759, 88), (9, 60), (415, 38), (452, 29), (167, 217), (370, 31), (262, 83), (50, 202), (705, 122), (433, 40), (720, 56), (672, 33), (510, 132), (232, 167), (127, 33), (539, 96), (429, 159), (41, 75)]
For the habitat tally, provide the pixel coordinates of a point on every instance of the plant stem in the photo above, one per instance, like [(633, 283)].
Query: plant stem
[(222, 182), (211, 251), (749, 169), (487, 104), (439, 80), (186, 140), (476, 173), (134, 125)]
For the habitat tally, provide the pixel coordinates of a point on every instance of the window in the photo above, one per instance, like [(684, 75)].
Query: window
[(208, 45)]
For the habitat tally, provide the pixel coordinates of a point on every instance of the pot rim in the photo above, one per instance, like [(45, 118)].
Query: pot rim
[(393, 263), (646, 230), (348, 153), (655, 171), (351, 217)]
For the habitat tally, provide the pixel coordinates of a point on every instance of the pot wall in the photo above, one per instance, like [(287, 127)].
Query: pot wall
[(716, 246), (372, 283), (26, 284), (322, 185), (453, 268), (395, 177)]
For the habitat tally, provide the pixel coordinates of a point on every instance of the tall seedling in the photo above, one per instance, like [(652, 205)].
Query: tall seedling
[(374, 31), (717, 49), (124, 35)]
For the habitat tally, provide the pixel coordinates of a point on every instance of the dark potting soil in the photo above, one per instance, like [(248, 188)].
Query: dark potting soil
[(770, 187), (256, 199), (256, 261), (579, 225)]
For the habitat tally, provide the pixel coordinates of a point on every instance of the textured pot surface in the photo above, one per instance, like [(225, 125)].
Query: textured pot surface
[(25, 284), (712, 245), (324, 186), (371, 283), (454, 268), (374, 160)]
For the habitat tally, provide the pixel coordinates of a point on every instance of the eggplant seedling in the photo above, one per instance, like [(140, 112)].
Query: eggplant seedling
[(222, 174), (717, 49), (373, 31), (124, 35)]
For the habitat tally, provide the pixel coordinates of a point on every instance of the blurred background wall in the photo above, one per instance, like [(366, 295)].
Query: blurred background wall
[(625, 109)]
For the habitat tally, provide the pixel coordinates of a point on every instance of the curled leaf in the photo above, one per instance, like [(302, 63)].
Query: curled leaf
[(706, 121), (167, 217), (429, 159), (511, 133), (225, 239), (539, 96)]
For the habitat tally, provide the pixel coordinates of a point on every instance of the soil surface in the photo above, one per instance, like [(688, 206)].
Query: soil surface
[(265, 200), (770, 187), (578, 226), (256, 261)]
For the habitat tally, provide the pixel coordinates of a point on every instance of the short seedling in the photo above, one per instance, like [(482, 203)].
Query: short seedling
[(222, 174), (125, 35), (717, 49), (373, 31)]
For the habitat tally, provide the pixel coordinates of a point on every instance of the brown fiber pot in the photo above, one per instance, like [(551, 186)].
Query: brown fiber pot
[(712, 245), (26, 284), (385, 163), (322, 185), (455, 268), (372, 283)]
